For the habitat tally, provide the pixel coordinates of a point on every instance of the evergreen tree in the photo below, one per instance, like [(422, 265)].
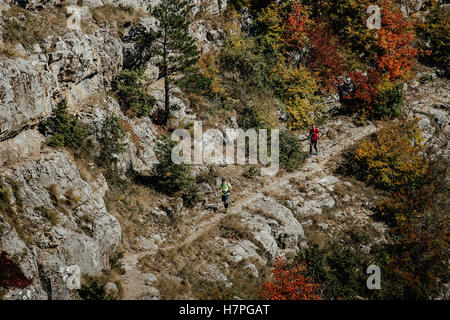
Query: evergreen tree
[(173, 44)]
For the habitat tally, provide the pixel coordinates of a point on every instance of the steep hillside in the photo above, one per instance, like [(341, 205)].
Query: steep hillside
[(86, 177)]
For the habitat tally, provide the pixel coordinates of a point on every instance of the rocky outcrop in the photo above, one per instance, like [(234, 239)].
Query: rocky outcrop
[(76, 66), (26, 144), (84, 64), (25, 95), (272, 225), (62, 218), (427, 100), (140, 140)]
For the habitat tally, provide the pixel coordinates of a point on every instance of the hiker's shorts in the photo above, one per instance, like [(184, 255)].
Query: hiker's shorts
[(225, 198)]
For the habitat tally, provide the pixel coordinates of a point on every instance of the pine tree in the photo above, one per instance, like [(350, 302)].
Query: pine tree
[(173, 44)]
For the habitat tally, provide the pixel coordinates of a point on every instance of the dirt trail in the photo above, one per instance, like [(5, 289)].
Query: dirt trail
[(132, 281)]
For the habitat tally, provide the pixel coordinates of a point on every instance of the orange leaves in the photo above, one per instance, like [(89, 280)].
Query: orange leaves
[(296, 26), (289, 283), (325, 60), (395, 41)]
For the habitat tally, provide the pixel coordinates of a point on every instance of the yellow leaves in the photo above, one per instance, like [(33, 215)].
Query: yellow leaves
[(266, 111), (209, 67), (392, 160), (298, 81), (271, 18), (300, 86), (300, 112)]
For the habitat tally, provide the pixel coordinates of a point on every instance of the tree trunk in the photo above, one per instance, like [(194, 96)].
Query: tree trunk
[(166, 85)]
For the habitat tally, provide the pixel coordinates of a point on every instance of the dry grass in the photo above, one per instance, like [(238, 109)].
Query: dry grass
[(231, 228), (262, 213), (73, 197), (317, 236), (279, 195), (245, 285), (299, 184), (50, 215), (27, 27), (9, 51), (319, 218), (9, 210), (133, 137), (122, 15), (170, 289), (132, 206)]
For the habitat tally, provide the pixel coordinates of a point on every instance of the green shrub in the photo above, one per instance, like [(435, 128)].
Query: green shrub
[(170, 177), (339, 269), (194, 81), (242, 56), (65, 130), (191, 196), (388, 103), (252, 172), (238, 4), (94, 290), (248, 118), (435, 32), (5, 197), (131, 94), (111, 141), (291, 154), (206, 176)]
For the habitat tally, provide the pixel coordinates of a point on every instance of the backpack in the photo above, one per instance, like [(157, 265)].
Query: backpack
[(314, 134)]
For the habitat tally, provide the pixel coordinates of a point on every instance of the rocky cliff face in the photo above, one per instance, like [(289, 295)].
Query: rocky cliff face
[(54, 212), (54, 217)]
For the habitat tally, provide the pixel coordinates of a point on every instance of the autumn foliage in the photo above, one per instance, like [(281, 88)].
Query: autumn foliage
[(318, 38), (10, 274), (395, 42), (290, 283), (416, 267), (364, 91), (297, 26), (326, 60), (393, 158)]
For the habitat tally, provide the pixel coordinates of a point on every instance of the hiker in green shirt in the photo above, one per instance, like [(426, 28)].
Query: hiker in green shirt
[(225, 187)]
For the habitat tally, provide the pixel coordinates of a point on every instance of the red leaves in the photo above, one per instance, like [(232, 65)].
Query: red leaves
[(364, 91), (11, 275), (326, 60), (296, 26), (396, 38), (289, 283)]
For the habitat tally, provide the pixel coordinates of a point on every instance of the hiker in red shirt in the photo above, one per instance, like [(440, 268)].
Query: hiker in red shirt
[(314, 135)]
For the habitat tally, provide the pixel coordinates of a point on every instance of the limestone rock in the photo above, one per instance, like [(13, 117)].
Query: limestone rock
[(25, 96), (65, 227), (26, 144)]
